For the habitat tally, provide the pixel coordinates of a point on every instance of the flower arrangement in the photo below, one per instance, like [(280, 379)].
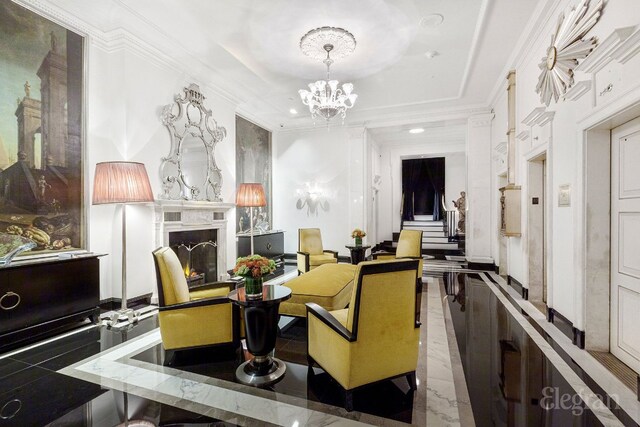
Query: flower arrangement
[(254, 266), (358, 234)]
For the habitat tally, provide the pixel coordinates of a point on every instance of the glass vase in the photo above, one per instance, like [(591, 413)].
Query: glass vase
[(358, 241), (253, 287)]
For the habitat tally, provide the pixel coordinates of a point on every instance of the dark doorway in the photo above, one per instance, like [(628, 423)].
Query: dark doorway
[(422, 187)]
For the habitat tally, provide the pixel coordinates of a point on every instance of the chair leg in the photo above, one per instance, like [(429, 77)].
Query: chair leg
[(310, 361), (348, 400), (411, 379)]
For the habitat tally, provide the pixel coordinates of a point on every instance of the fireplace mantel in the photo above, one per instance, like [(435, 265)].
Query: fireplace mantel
[(184, 215)]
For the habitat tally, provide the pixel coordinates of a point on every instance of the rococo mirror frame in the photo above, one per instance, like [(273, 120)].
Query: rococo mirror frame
[(188, 117)]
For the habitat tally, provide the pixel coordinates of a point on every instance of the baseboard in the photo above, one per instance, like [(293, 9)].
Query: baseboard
[(518, 287), (566, 327), (113, 303)]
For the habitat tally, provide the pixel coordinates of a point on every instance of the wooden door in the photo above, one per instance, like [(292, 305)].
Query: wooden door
[(625, 243)]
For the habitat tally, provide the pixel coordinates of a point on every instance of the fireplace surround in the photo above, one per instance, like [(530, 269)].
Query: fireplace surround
[(198, 220)]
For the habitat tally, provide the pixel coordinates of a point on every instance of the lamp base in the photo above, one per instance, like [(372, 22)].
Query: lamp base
[(122, 315)]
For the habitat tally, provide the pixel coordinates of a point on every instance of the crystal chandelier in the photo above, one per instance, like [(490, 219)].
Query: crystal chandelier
[(324, 98)]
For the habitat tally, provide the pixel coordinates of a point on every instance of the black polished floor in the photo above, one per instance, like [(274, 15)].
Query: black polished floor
[(389, 399), (32, 393), (509, 379)]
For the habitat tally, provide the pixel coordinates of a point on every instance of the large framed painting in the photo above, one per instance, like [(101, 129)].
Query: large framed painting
[(253, 164), (41, 131)]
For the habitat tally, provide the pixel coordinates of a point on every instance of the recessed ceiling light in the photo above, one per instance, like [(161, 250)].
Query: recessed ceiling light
[(431, 54), (432, 20), (416, 130), (293, 111)]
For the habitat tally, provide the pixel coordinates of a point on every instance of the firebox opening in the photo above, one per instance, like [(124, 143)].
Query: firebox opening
[(198, 254)]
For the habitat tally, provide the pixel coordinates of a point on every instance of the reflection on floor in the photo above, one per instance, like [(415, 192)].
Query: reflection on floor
[(483, 356)]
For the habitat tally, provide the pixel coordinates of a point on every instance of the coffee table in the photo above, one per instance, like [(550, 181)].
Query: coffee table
[(261, 328)]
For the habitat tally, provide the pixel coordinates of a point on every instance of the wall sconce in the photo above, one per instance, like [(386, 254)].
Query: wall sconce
[(312, 196)]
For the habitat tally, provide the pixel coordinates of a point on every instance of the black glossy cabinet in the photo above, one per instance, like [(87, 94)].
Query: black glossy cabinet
[(269, 244), (38, 296)]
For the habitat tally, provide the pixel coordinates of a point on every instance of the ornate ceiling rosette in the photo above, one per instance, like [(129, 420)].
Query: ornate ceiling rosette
[(567, 47)]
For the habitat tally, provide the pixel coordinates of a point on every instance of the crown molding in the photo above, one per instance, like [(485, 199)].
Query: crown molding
[(481, 120), (577, 90), (629, 48), (533, 116), (601, 55), (523, 136)]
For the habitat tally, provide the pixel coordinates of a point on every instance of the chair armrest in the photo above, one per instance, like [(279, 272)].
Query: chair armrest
[(303, 253), (329, 320), (213, 285), (383, 255), (334, 253), (196, 303)]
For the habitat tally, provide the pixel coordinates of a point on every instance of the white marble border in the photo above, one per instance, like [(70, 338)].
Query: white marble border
[(442, 402), (221, 399)]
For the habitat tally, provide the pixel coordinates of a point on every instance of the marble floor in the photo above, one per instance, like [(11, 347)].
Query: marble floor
[(486, 358)]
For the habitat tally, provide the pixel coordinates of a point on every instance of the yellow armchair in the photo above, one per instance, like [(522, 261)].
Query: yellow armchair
[(409, 246), (377, 337), (202, 316), (310, 251)]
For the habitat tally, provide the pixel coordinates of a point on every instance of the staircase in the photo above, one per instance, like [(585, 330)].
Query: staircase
[(434, 235)]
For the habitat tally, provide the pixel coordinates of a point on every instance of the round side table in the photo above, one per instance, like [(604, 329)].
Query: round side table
[(261, 329), (357, 253)]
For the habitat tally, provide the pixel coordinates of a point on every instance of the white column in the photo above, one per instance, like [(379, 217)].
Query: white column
[(478, 225), (357, 214)]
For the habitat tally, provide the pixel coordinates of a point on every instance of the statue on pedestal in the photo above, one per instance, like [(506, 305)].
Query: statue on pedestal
[(461, 205)]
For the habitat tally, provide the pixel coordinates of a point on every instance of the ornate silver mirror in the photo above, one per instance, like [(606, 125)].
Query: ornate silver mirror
[(190, 171)]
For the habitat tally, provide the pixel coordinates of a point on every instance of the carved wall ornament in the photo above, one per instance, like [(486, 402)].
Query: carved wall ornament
[(567, 47), (190, 171)]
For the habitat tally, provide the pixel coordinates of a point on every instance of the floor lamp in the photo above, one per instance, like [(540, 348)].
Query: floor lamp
[(122, 183), (250, 195)]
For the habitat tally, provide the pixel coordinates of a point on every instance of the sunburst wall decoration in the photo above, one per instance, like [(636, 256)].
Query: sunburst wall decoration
[(567, 47)]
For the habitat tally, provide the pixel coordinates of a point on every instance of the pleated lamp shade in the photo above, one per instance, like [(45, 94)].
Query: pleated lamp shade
[(121, 182), (250, 194)]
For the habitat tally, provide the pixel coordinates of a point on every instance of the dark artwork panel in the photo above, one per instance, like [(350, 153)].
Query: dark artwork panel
[(253, 164), (41, 131)]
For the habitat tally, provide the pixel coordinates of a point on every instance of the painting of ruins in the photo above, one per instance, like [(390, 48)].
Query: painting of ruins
[(41, 132), (253, 164)]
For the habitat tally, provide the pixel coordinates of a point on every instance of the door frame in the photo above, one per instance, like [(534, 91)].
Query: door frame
[(592, 196), (536, 164)]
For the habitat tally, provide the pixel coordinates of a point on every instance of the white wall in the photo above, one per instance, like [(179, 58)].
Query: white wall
[(563, 137), (127, 86), (390, 194), (331, 161)]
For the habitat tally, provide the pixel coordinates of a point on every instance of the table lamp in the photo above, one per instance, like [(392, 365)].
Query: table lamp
[(122, 183), (250, 195)]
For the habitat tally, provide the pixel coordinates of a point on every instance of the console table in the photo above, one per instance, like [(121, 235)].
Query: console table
[(269, 244), (40, 295)]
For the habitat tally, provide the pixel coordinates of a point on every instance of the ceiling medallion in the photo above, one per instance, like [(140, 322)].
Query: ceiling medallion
[(324, 98), (567, 47)]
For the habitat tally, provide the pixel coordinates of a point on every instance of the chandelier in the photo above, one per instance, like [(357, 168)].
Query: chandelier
[(324, 98)]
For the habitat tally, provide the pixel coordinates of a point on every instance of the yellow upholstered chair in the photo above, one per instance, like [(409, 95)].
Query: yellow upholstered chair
[(202, 316), (409, 246), (310, 251), (377, 337)]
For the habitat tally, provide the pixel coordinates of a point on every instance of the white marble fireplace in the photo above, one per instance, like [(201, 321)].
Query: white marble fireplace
[(177, 215)]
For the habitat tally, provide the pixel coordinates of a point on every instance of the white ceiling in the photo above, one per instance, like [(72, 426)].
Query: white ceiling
[(253, 46)]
